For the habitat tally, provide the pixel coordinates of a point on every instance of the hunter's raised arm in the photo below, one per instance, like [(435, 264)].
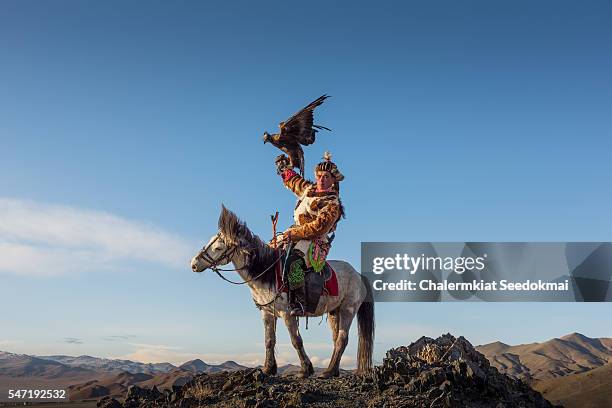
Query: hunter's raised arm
[(295, 182), (291, 179)]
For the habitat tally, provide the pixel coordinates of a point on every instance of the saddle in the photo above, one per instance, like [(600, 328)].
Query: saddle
[(324, 283)]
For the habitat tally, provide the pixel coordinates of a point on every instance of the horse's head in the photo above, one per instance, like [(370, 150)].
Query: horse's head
[(224, 245), (215, 253)]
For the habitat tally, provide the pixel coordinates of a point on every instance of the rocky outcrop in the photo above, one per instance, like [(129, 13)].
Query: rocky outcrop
[(448, 372), (445, 372)]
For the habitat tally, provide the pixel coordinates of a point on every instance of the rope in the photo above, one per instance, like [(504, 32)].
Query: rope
[(228, 253), (214, 268)]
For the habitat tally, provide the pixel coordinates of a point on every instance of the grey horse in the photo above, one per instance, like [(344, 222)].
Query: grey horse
[(255, 261)]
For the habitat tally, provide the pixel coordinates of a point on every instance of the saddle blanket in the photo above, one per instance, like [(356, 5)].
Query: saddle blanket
[(331, 284)]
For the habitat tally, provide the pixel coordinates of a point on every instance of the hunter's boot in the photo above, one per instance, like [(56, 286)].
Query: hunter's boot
[(295, 281), (297, 301)]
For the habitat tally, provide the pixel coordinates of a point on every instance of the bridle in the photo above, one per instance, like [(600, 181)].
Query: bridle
[(228, 253)]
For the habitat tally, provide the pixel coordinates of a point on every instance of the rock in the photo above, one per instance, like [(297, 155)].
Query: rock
[(249, 402), (227, 386), (108, 402), (155, 394), (259, 375), (266, 403), (186, 403), (134, 392)]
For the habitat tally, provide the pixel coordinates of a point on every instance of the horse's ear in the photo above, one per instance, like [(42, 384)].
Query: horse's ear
[(228, 222)]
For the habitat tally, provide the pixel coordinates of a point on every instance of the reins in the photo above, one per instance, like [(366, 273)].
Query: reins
[(280, 290), (245, 281), (228, 253)]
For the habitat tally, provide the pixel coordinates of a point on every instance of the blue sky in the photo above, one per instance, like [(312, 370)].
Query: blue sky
[(124, 126)]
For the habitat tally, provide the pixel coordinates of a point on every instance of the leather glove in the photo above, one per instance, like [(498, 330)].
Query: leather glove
[(282, 163)]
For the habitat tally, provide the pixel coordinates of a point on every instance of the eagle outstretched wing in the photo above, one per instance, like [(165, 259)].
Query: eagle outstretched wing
[(300, 126), (296, 131)]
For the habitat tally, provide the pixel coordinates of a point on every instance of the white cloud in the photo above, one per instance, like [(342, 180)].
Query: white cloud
[(158, 353), (346, 361), (7, 343), (46, 239), (161, 353)]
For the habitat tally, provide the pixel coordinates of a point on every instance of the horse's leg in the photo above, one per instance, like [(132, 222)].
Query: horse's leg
[(332, 319), (345, 317), (269, 321), (298, 344)]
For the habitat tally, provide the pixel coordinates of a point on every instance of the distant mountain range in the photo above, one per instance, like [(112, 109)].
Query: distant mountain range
[(104, 364), (571, 354), (58, 366), (88, 377), (197, 366), (22, 365)]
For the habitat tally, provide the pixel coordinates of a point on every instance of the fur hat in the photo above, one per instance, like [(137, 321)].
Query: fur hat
[(330, 166)]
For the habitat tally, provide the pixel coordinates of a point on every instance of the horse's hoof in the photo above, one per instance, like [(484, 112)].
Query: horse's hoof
[(269, 370), (329, 374), (307, 372)]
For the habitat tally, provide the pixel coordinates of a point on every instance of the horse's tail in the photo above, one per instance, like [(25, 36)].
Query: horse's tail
[(365, 324)]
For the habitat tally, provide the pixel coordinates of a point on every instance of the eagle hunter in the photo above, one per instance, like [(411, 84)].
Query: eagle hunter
[(296, 131)]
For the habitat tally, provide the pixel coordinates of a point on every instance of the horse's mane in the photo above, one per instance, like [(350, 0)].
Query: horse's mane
[(260, 257)]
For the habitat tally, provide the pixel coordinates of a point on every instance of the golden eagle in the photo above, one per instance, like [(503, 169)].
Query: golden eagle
[(296, 131)]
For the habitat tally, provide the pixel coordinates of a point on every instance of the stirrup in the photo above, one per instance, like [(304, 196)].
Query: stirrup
[(297, 311)]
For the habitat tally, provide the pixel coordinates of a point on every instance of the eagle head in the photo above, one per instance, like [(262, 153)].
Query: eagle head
[(266, 137)]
